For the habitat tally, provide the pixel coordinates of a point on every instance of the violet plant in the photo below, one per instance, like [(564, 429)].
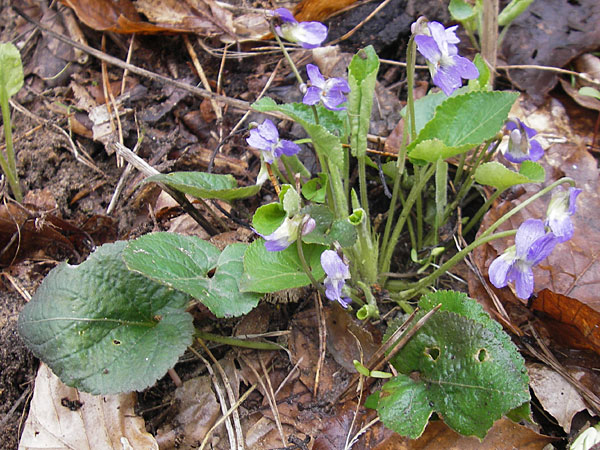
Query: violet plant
[(125, 306)]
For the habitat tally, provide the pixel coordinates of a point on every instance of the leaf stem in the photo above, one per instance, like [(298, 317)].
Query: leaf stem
[(236, 342)]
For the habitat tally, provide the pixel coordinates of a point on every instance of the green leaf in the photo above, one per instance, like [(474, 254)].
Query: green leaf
[(425, 108), (513, 10), (362, 77), (461, 365), (590, 92), (460, 10), (462, 122), (483, 80), (323, 135), (11, 68), (496, 174), (316, 188), (184, 262), (291, 202), (205, 185), (266, 271), (268, 218), (104, 329)]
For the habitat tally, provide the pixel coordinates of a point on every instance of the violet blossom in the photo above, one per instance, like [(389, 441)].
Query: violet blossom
[(520, 146), (287, 232), (560, 209), (532, 245), (307, 34), (447, 68), (265, 137), (330, 92), (337, 273)]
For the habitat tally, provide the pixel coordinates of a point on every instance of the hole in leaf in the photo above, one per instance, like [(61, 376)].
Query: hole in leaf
[(482, 355), (211, 272), (433, 353), (116, 342)]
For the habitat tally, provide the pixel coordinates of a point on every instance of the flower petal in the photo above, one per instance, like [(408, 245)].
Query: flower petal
[(499, 268), (310, 34), (268, 131), (428, 48), (562, 227), (314, 75), (523, 278), (573, 193), (447, 79), (312, 96), (333, 99), (465, 68), (529, 232), (257, 141), (285, 15), (288, 148), (333, 265), (541, 249), (535, 151)]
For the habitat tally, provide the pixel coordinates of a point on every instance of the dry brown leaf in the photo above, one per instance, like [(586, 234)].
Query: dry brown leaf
[(60, 417), (504, 435), (556, 394), (310, 10), (574, 322)]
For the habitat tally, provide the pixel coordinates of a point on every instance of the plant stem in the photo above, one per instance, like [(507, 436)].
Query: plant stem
[(475, 219), (8, 165), (305, 266), (287, 56)]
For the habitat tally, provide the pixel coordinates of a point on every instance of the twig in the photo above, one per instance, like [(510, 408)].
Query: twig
[(148, 171), (322, 341), (288, 376), (360, 25), (230, 394)]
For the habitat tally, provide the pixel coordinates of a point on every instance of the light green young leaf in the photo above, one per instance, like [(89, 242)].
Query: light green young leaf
[(513, 10), (11, 69), (323, 135), (205, 185), (462, 122), (104, 329), (184, 262), (590, 92), (268, 218), (481, 83), (460, 10), (266, 271), (495, 174), (362, 77), (316, 188)]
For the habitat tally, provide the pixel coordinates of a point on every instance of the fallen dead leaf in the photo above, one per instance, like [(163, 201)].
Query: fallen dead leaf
[(504, 435), (574, 322), (62, 417), (556, 394)]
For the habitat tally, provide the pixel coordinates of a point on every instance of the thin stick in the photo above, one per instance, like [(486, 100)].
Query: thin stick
[(272, 394), (322, 341), (288, 376), (360, 25)]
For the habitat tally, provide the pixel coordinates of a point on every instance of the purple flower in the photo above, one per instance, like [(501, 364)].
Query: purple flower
[(560, 209), (330, 92), (307, 34), (287, 232), (520, 146), (265, 137), (445, 65), (337, 274), (532, 245)]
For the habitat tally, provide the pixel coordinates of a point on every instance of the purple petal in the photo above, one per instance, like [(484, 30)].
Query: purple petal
[(344, 301), (447, 79), (573, 193), (541, 249), (499, 268), (535, 151), (333, 265), (338, 84), (465, 68), (523, 278), (288, 148), (312, 96), (438, 33), (530, 131), (333, 99), (257, 141), (314, 75), (310, 34), (511, 125), (428, 48), (277, 245), (285, 15), (451, 35), (562, 227), (529, 232), (268, 130)]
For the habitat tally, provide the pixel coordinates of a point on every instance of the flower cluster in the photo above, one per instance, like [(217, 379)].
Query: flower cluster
[(520, 146), (330, 92), (438, 45), (265, 137), (307, 34), (533, 244), (337, 273)]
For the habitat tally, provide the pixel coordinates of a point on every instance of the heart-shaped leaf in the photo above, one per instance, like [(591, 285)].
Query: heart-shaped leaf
[(501, 177), (104, 329), (184, 263)]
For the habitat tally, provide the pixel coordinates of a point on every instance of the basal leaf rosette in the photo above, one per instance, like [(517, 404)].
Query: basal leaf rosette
[(104, 329)]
